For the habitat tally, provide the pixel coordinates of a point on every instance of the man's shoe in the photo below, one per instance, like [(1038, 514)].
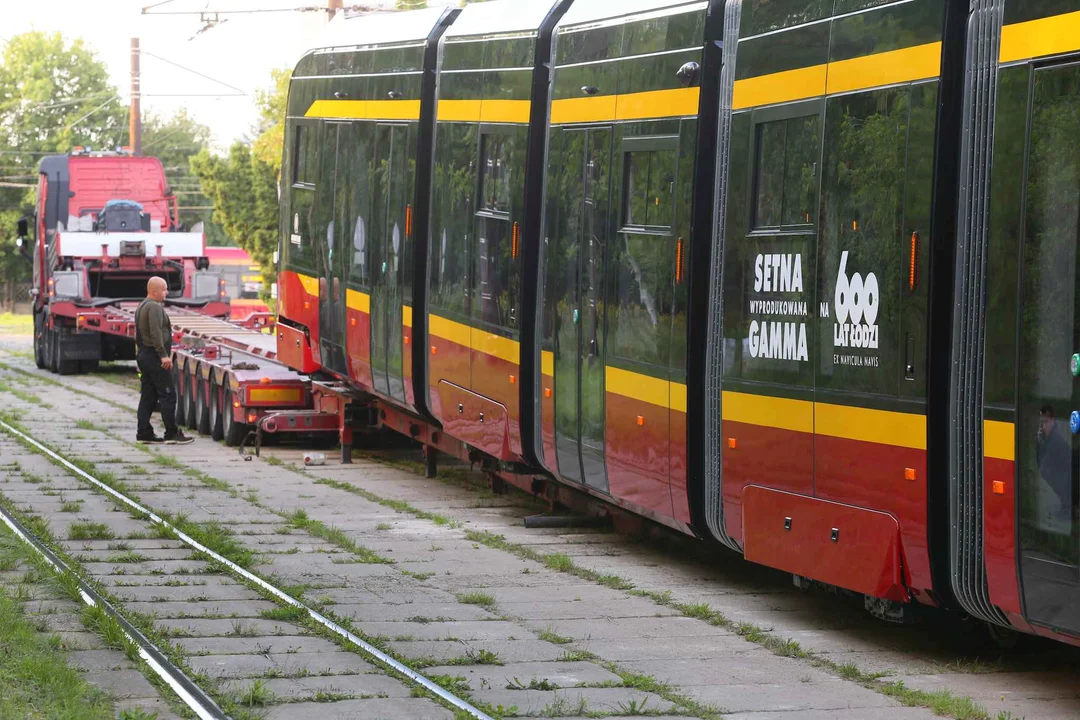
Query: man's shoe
[(149, 439), (177, 438)]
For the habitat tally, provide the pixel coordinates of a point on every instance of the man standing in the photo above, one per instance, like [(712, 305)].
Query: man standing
[(153, 352)]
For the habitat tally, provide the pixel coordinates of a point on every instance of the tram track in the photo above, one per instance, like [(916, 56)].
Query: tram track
[(190, 693), (186, 689)]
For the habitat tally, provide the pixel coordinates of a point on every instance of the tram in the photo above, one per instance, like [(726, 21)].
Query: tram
[(797, 277)]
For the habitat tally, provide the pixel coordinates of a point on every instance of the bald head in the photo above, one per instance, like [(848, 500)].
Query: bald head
[(157, 289)]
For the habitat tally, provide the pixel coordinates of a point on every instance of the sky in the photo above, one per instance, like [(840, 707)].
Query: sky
[(240, 52)]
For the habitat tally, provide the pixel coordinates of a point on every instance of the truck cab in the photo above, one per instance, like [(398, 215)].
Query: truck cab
[(105, 223)]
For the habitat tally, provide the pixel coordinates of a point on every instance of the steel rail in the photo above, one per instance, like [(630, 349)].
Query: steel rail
[(364, 646), (185, 688)]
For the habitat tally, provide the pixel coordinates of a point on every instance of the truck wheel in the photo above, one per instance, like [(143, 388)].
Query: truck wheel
[(52, 343), (64, 365), (202, 408), (216, 411), (233, 431), (181, 397), (39, 341)]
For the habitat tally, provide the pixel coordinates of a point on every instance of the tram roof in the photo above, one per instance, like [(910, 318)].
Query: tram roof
[(392, 28), (500, 17), (583, 12)]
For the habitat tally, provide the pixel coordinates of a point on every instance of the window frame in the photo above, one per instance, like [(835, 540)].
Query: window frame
[(485, 131), (765, 116), (301, 129), (645, 144)]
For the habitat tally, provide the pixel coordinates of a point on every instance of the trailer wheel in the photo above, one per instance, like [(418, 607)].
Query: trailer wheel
[(216, 430), (189, 401), (232, 431), (181, 397), (202, 408)]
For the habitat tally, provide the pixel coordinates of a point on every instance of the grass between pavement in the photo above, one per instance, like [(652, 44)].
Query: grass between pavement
[(35, 678)]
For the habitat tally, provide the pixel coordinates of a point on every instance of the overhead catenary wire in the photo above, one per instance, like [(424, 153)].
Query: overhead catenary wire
[(195, 72)]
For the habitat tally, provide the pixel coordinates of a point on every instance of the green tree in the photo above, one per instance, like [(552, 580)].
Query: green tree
[(271, 128), (54, 94), (242, 187)]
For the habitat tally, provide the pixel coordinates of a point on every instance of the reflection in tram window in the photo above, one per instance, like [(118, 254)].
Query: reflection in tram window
[(787, 158), (1047, 472)]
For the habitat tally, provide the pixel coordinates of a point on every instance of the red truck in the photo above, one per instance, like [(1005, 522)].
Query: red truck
[(105, 222)]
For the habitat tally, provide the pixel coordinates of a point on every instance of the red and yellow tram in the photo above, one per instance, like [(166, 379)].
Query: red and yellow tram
[(794, 276)]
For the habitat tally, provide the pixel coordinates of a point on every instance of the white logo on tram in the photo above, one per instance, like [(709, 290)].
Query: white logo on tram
[(856, 303)]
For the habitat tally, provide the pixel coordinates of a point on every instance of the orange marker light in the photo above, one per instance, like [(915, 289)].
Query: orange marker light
[(547, 392), (307, 305), (732, 443), (265, 381), (252, 417), (641, 420), (909, 473), (406, 339), (353, 321), (432, 349), (515, 248), (236, 403), (513, 379), (913, 268), (678, 261), (408, 220), (999, 487)]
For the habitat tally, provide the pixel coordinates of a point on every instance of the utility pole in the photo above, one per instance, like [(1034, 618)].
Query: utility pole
[(135, 121)]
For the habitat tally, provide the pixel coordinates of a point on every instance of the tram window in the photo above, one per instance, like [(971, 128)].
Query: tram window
[(786, 162), (650, 188), (304, 148), (299, 253), (496, 269), (1049, 332), (864, 174), (495, 173), (452, 214), (639, 318), (760, 16)]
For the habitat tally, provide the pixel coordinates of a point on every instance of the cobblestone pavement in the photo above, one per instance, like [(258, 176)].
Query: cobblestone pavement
[(552, 623)]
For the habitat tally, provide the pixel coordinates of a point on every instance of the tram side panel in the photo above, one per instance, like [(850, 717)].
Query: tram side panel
[(619, 191), (1031, 485), (825, 293), (349, 237), (488, 67)]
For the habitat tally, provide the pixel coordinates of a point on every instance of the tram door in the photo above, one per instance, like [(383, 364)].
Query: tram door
[(331, 208), (578, 257), (1049, 336), (389, 210)]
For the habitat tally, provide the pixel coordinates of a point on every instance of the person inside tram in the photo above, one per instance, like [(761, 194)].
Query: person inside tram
[(1054, 455)]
